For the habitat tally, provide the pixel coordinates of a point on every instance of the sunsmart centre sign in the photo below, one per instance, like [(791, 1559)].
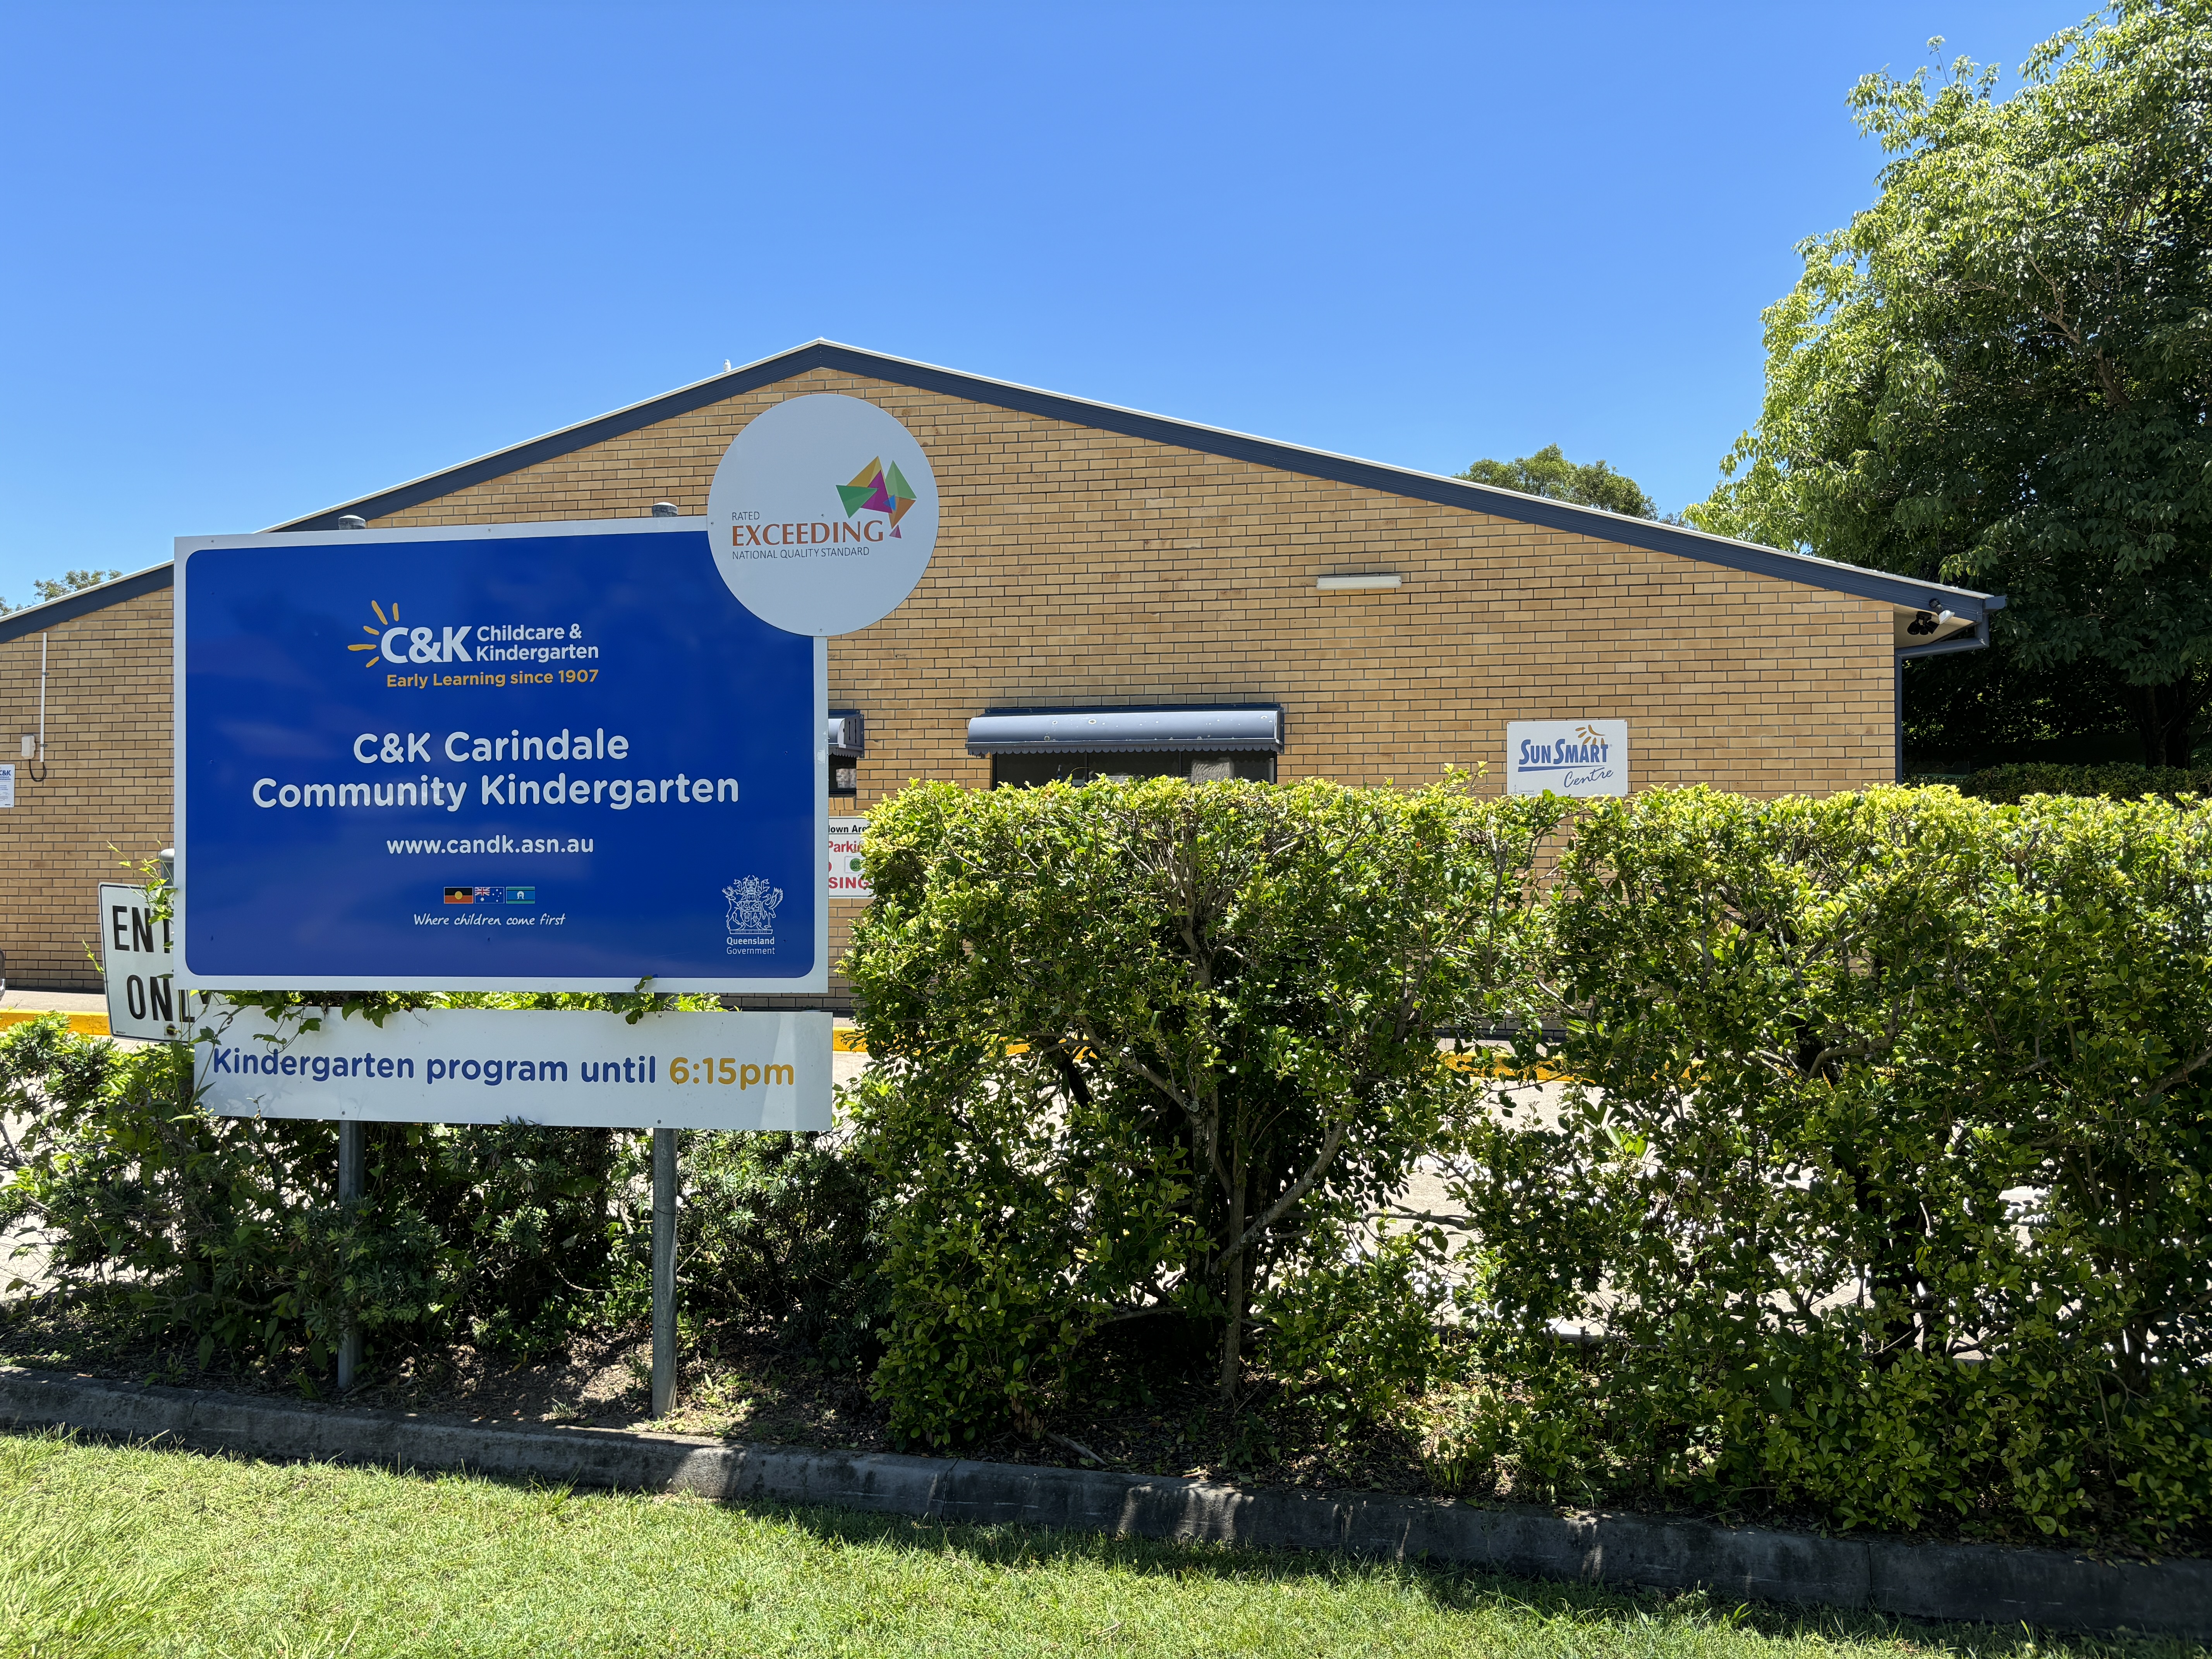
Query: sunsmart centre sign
[(1566, 757), (519, 757)]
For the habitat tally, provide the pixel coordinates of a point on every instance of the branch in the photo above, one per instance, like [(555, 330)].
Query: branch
[(2179, 1074), (1297, 1190)]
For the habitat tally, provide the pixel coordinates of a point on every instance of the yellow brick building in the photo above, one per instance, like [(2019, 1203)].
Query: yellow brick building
[(1091, 556)]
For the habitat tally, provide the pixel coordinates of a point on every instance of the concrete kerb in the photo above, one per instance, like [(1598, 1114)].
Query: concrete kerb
[(1979, 1582)]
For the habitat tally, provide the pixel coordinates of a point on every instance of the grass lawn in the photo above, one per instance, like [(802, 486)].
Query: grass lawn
[(133, 1551)]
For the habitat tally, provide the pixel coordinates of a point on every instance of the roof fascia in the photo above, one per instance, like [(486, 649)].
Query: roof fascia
[(1683, 542), (37, 618)]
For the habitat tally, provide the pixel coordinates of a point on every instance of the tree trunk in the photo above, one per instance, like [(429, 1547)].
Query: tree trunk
[(1232, 1289), (2164, 715)]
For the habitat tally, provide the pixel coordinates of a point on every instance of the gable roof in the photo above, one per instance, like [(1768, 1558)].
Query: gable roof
[(1207, 439), (1681, 541), (52, 613)]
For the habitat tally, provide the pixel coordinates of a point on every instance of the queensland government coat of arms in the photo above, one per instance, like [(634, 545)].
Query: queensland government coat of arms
[(752, 905)]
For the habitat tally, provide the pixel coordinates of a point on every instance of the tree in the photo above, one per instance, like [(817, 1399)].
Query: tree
[(2000, 374), (1976, 709), (72, 582), (1549, 473)]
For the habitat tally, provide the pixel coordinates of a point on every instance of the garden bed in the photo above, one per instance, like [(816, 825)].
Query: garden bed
[(736, 1387)]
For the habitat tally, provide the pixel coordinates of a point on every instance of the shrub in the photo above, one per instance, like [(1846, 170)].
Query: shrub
[(2010, 785), (1357, 1327), (1886, 1172), (783, 1234), (225, 1231), (1137, 1046)]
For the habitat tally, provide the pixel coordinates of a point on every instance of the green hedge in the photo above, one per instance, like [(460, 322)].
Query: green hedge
[(1884, 1182), (1887, 1180), (221, 1233), (2010, 785)]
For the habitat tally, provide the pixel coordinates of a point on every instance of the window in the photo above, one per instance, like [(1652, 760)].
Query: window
[(1027, 770)]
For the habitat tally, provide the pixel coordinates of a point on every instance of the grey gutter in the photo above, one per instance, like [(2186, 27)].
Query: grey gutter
[(1696, 544)]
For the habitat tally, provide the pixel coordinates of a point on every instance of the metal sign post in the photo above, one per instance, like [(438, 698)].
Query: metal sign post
[(349, 1180), (664, 1271), (663, 1072)]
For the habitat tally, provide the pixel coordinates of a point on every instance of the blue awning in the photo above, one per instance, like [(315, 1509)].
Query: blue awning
[(1126, 731)]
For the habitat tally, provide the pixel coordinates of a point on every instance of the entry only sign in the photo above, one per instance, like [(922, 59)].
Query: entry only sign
[(142, 998), (670, 1070), (494, 757)]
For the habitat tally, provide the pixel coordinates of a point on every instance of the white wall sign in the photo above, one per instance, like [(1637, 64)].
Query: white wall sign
[(672, 1071), (823, 514), (1566, 757), (142, 998), (847, 879), (7, 784)]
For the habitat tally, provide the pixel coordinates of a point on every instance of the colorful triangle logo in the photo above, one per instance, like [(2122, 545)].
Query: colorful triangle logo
[(878, 488)]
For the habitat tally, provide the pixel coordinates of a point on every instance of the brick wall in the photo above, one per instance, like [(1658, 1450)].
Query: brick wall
[(1079, 566), (108, 781)]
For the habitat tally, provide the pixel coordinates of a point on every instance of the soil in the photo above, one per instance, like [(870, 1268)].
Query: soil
[(736, 1389)]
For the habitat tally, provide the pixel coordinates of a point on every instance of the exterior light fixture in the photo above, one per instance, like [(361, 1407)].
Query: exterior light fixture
[(664, 509), (1358, 584), (352, 521)]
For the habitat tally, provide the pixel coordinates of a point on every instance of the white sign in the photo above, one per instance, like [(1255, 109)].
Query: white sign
[(7, 784), (143, 999), (823, 514), (672, 1071), (847, 879), (1566, 757)]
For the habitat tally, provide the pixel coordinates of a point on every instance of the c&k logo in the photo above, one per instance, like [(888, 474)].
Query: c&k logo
[(395, 643)]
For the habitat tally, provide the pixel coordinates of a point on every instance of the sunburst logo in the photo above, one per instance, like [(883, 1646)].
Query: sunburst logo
[(1587, 733), (375, 645)]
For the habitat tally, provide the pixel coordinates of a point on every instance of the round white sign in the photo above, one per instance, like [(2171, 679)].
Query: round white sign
[(823, 514)]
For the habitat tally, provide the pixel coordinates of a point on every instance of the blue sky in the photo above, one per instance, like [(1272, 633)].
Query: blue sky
[(262, 260)]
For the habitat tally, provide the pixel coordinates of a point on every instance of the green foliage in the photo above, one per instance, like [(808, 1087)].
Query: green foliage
[(1357, 1328), (1134, 1045), (780, 1233), (1998, 372), (222, 1231), (2008, 785), (1548, 472), (1966, 710), (1886, 1174), (1882, 1190), (72, 582)]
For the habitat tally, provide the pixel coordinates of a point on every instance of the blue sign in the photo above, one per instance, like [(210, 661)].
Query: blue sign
[(495, 758)]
